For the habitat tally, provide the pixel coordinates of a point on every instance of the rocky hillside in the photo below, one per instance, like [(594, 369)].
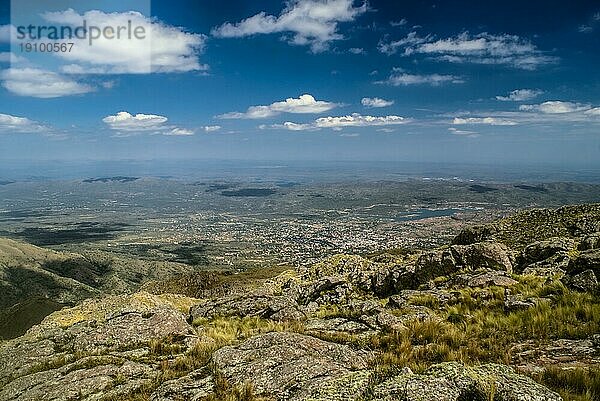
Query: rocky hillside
[(507, 312), (36, 281)]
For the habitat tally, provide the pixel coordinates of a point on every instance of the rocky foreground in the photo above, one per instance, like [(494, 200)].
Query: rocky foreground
[(509, 311)]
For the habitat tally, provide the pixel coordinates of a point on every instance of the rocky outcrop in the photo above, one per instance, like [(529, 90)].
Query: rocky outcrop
[(587, 260), (452, 381), (288, 366), (474, 234), (531, 356), (100, 348), (259, 303), (586, 281), (194, 386), (546, 256)]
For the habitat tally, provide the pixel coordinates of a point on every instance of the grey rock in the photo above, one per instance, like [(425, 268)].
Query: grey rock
[(262, 304), (471, 235), (452, 381), (486, 255), (553, 252), (549, 272), (591, 241), (286, 366), (516, 302), (337, 325), (483, 279), (584, 281), (531, 356), (103, 352), (587, 260), (194, 386)]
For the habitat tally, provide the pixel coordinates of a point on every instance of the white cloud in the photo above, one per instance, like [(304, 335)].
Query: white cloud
[(585, 29), (311, 22), (482, 120), (339, 122), (520, 95), (124, 121), (357, 120), (211, 128), (9, 57), (402, 22), (164, 49), (127, 124), (376, 102), (40, 83), (470, 134), (179, 132), (593, 112), (356, 50), (305, 104), (290, 126), (555, 107), (6, 32), (483, 48), (399, 78), (412, 39), (12, 124)]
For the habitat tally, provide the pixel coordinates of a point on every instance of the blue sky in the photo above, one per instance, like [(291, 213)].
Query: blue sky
[(450, 81)]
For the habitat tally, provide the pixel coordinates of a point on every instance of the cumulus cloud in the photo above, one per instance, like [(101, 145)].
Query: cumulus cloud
[(127, 124), (164, 49), (483, 48), (356, 50), (520, 95), (357, 120), (376, 102), (20, 125), (305, 104), (400, 78), (555, 107), (482, 120), (211, 128), (310, 22), (339, 122), (124, 121), (40, 83), (290, 126)]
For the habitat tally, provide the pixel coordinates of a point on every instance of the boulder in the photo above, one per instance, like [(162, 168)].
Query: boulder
[(260, 303), (474, 234), (547, 253), (586, 281), (591, 241), (483, 255), (451, 381), (194, 386), (287, 366), (482, 279), (532, 356), (587, 260), (434, 264)]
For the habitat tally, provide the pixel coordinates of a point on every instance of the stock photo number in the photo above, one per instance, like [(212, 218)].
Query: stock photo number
[(51, 47)]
